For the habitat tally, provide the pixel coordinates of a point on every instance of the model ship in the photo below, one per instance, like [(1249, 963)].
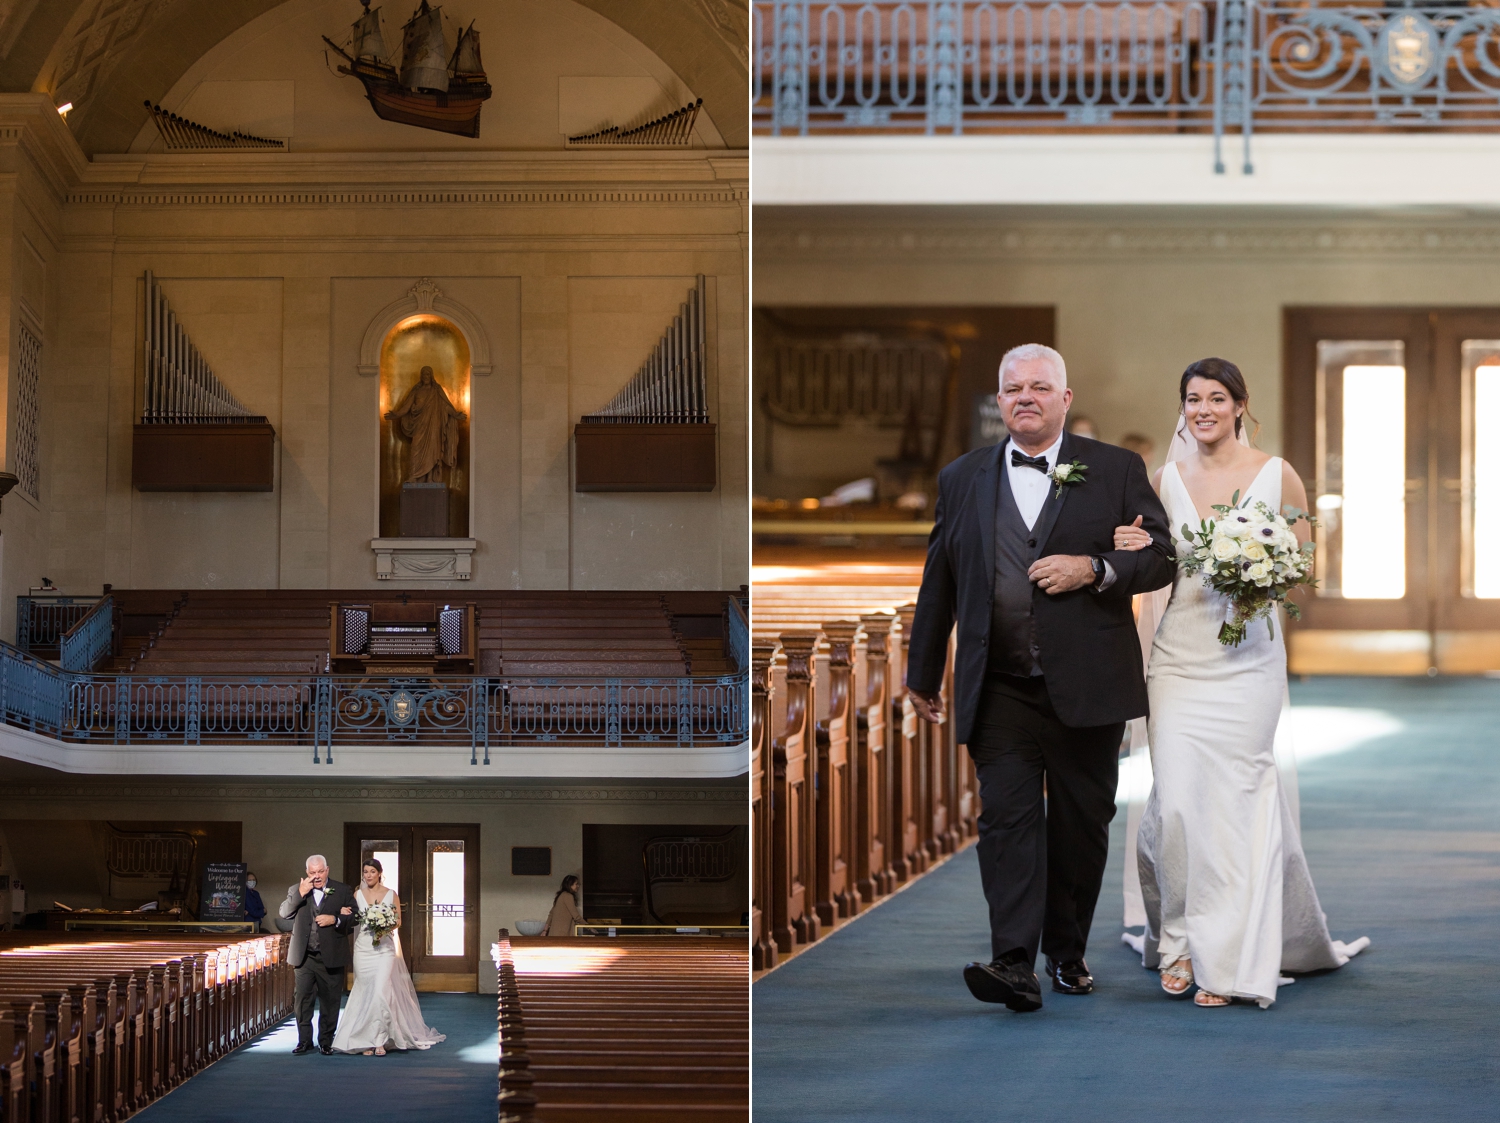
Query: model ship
[(431, 89)]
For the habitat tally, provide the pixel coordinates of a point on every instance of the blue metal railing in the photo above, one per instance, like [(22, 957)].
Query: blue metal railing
[(90, 641), (1222, 66), (739, 634), (41, 621), (326, 711)]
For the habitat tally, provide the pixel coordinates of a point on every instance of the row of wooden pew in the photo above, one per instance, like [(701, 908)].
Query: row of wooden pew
[(852, 795), (532, 632), (95, 1027), (640, 1030)]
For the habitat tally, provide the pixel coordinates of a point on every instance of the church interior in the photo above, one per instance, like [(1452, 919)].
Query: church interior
[(1140, 189), (375, 445)]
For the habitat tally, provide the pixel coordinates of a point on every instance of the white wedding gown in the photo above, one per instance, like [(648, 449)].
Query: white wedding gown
[(382, 1009), (1219, 849)]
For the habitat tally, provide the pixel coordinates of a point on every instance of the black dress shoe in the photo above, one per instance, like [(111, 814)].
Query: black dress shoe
[(326, 1050), (305, 1047), (1011, 984), (1070, 976)]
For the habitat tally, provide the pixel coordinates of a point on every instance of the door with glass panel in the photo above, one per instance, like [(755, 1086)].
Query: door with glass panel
[(436, 873), (1392, 417)]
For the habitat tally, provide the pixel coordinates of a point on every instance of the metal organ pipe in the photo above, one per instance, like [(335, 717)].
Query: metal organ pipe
[(179, 385)]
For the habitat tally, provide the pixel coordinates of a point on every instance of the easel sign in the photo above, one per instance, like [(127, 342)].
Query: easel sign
[(222, 896)]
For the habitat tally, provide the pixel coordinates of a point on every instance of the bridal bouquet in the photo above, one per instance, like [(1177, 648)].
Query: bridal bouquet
[(1249, 554), (379, 919)]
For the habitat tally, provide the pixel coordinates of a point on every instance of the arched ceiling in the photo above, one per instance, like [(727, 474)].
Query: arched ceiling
[(110, 56)]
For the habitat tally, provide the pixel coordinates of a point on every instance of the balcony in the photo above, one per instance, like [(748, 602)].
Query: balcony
[(1224, 69)]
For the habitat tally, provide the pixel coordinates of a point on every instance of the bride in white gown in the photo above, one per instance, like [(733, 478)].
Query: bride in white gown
[(1229, 902), (382, 1011)]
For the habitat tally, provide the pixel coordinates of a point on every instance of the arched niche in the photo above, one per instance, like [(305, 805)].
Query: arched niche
[(417, 341), (425, 297)]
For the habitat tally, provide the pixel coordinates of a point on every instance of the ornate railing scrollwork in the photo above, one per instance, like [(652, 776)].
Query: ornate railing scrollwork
[(1221, 66)]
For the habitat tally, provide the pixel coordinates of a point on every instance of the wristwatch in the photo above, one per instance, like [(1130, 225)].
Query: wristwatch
[(1098, 563)]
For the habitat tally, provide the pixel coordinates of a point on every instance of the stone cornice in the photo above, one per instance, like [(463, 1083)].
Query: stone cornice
[(1107, 240), (30, 123), (17, 792)]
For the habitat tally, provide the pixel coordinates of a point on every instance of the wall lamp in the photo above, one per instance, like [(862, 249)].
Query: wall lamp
[(62, 110)]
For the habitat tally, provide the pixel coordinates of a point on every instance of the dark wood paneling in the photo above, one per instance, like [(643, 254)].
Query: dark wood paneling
[(645, 457), (204, 458)]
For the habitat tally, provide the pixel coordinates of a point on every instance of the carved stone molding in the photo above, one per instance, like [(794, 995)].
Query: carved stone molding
[(424, 559), (425, 296), (1092, 241), (280, 792)]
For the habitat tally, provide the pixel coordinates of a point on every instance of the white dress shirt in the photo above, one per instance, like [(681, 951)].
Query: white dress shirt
[(1028, 488), (318, 897)]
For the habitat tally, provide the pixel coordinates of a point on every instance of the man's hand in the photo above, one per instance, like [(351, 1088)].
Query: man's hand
[(927, 703), (305, 886), (1061, 573), (324, 920)]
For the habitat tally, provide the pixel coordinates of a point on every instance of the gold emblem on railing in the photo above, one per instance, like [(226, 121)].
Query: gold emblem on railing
[(402, 707), (1407, 47)]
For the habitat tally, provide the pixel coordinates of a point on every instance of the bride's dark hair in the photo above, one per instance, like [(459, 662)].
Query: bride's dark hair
[(569, 885), (373, 863), (1227, 375)]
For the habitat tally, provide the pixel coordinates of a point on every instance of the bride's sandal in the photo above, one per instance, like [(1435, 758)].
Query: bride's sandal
[(1207, 998), (380, 1050), (369, 1052), (1177, 978)]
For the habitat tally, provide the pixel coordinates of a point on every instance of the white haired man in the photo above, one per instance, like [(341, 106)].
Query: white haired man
[(322, 915), (1048, 667)]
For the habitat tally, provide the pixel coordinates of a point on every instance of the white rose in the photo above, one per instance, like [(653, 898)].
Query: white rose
[(1225, 548), (1259, 570), (1254, 551)]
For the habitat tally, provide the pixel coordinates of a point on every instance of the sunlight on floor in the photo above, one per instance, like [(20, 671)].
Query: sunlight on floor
[(282, 1039), (1313, 732), (487, 1052)]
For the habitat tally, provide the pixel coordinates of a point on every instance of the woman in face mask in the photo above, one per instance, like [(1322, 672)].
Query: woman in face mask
[(255, 908)]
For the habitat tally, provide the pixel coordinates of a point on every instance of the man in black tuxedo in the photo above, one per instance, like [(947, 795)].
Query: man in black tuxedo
[(1048, 666), (321, 913)]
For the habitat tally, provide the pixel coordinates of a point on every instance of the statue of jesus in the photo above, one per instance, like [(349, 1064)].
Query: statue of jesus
[(428, 418)]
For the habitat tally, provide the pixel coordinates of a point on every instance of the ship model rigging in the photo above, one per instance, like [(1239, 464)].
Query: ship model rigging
[(431, 89)]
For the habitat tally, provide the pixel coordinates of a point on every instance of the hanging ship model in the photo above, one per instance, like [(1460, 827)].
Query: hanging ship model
[(431, 89)]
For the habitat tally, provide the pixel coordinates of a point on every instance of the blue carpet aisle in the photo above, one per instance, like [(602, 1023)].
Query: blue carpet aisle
[(455, 1081), (1402, 831)]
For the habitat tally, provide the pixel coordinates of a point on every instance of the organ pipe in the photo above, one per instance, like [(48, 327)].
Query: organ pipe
[(670, 387), (180, 386)]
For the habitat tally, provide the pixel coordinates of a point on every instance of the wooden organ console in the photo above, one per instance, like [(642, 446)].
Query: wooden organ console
[(403, 637)]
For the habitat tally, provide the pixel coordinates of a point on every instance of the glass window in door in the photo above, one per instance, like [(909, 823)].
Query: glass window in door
[(1361, 457), (1481, 468), (386, 851), (446, 901)]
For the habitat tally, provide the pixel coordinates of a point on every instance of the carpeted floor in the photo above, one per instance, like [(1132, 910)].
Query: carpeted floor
[(1402, 831), (456, 1081)]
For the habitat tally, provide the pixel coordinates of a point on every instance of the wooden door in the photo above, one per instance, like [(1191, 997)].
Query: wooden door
[(438, 882), (1387, 413)]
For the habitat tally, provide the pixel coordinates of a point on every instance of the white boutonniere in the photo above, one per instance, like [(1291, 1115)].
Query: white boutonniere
[(1067, 475)]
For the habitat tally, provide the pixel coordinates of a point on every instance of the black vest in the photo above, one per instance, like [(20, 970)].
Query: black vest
[(1013, 647)]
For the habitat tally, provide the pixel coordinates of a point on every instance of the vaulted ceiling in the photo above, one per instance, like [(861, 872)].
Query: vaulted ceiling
[(110, 56)]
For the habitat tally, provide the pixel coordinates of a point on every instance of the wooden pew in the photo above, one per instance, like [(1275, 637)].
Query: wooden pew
[(889, 794), (623, 1030), (794, 826), (762, 773), (95, 1026)]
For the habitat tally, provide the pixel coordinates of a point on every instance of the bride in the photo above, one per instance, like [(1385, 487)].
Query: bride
[(1228, 898), (382, 1009)]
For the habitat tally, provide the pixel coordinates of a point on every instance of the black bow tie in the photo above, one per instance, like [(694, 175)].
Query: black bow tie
[(1021, 460)]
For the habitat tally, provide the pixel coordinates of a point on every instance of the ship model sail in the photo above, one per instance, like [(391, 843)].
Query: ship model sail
[(431, 89)]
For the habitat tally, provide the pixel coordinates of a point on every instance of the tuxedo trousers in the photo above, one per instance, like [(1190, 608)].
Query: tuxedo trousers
[(316, 980), (1047, 795)]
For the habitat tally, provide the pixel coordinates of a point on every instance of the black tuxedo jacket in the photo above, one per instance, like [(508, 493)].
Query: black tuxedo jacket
[(1090, 655), (333, 941)]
